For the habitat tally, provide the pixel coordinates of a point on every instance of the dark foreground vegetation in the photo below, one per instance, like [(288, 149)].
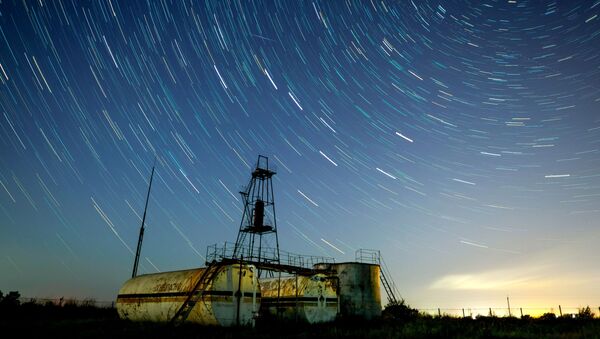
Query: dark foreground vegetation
[(84, 320)]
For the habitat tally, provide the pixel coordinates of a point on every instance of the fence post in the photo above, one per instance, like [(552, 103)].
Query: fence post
[(560, 310), (439, 313), (521, 308), (490, 311), (463, 312)]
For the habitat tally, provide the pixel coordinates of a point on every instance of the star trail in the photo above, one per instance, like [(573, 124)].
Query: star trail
[(461, 138)]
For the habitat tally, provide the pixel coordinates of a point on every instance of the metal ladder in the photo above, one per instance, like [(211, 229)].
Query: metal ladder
[(374, 257), (196, 293), (388, 284)]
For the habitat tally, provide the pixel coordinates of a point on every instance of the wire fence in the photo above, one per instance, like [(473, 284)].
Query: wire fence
[(518, 312)]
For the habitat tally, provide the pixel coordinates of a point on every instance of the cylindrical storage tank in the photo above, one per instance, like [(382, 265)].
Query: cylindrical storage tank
[(311, 299), (358, 288), (158, 297)]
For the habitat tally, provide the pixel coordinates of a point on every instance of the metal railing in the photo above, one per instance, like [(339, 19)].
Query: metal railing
[(367, 256), (218, 252)]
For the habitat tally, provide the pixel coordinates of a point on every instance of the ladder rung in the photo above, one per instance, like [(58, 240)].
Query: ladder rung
[(199, 287)]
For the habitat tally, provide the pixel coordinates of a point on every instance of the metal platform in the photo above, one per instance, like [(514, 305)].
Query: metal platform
[(288, 262)]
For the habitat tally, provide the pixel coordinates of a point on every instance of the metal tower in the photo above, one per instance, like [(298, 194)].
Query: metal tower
[(258, 219)]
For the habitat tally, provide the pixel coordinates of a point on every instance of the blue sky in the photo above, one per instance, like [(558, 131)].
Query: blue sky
[(460, 138)]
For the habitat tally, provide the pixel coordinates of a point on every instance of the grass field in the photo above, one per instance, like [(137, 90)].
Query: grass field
[(87, 321)]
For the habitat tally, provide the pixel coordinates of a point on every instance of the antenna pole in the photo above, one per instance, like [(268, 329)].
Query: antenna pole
[(141, 238)]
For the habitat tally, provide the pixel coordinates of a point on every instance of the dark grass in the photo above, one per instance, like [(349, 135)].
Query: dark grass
[(77, 321)]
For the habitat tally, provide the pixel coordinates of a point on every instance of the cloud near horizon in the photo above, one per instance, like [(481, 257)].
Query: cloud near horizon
[(521, 278)]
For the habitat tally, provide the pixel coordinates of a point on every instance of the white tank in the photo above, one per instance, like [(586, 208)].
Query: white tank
[(158, 297), (312, 299)]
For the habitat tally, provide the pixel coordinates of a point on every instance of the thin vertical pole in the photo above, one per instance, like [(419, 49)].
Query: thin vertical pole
[(508, 302), (254, 286), (521, 308), (296, 308), (278, 295), (463, 312), (141, 237), (239, 293), (560, 310), (439, 312), (274, 222)]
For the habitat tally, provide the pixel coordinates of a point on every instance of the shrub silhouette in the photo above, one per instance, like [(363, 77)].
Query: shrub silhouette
[(11, 300), (585, 313), (548, 316), (399, 311)]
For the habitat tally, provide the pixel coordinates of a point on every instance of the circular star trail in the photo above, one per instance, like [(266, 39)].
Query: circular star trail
[(462, 138)]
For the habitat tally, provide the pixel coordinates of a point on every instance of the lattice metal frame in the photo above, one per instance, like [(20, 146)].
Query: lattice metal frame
[(259, 209)]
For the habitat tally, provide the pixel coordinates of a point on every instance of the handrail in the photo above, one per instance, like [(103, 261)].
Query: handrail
[(374, 257), (218, 252)]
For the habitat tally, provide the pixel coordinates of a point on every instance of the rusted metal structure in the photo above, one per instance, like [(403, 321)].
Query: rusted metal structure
[(231, 291), (288, 262), (358, 288), (258, 228), (222, 295), (312, 299), (374, 257)]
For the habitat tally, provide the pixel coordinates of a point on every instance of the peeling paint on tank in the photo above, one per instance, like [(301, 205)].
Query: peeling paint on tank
[(359, 289), (307, 298), (158, 297)]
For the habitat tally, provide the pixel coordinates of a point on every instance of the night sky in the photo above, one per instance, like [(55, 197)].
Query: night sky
[(461, 138)]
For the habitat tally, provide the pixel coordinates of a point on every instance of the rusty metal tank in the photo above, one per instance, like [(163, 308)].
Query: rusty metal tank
[(358, 288), (158, 297), (311, 299)]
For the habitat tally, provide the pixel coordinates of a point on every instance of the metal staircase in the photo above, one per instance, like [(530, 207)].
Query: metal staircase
[(388, 284), (196, 293), (374, 257)]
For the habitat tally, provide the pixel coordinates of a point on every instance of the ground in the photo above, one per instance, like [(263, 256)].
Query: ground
[(66, 321)]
